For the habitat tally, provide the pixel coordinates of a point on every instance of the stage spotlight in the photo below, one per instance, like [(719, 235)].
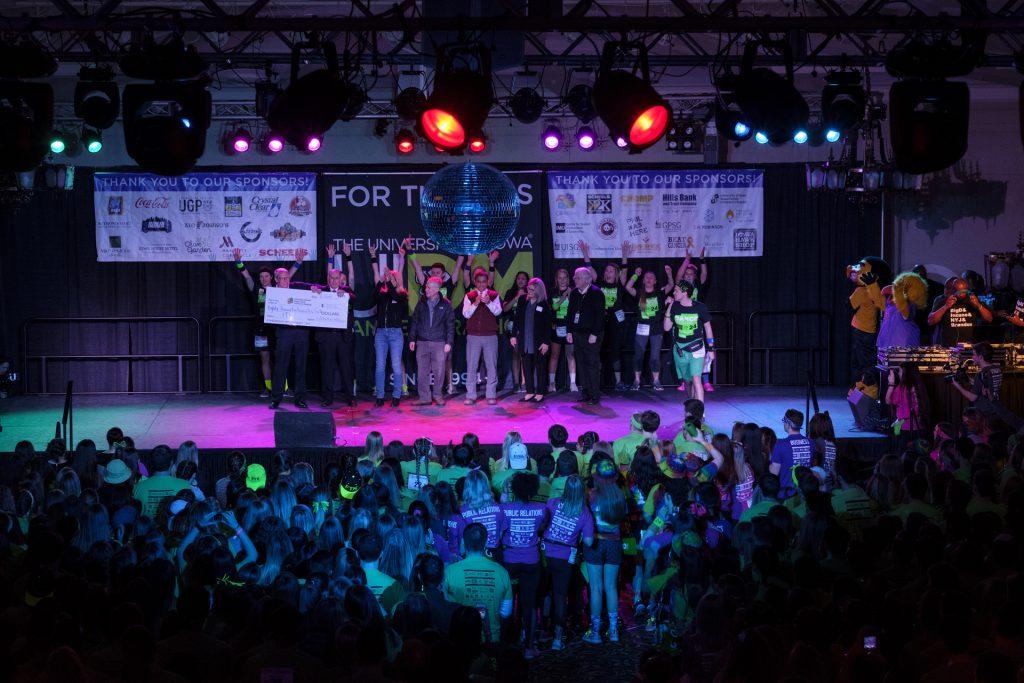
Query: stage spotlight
[(58, 142), (409, 104), (312, 103), (26, 123), (685, 135), (97, 100), (314, 143), (165, 125), (585, 138), (800, 137), (769, 102), (405, 143), (353, 99), (580, 100), (527, 105), (461, 99), (760, 138), (832, 135), (628, 104), (274, 143), (237, 141), (92, 139), (552, 137), (842, 100), (928, 124), (621, 142), (477, 143)]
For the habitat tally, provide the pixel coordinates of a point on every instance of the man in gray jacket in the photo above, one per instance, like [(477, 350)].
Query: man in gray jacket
[(431, 335)]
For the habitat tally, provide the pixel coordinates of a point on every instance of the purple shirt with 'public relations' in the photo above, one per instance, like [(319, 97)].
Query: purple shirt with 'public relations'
[(564, 532), (521, 534)]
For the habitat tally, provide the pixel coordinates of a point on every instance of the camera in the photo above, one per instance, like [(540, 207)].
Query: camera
[(957, 374)]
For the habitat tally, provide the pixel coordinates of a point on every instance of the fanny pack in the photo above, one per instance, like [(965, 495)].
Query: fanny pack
[(690, 347)]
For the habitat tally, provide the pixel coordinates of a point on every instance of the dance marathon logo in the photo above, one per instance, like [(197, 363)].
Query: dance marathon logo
[(744, 239), (268, 206), (232, 207), (599, 203), (300, 206), (686, 324), (156, 224), (288, 233), (250, 232), (115, 205), (607, 229)]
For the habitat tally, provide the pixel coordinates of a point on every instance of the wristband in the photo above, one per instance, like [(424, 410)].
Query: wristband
[(297, 265), (239, 265), (634, 277), (710, 341)]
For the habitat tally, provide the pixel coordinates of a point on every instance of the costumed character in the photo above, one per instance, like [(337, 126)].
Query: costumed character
[(903, 299), (869, 275)]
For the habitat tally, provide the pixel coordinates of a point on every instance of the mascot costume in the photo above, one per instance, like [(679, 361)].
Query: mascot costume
[(869, 276), (907, 295)]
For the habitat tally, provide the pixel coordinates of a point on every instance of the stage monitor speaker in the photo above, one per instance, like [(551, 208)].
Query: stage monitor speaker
[(304, 430), (865, 411)]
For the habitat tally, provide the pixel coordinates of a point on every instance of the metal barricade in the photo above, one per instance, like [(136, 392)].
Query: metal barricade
[(43, 360), (213, 352), (822, 347)]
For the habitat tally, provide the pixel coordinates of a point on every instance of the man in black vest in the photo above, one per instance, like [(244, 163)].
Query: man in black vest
[(585, 325)]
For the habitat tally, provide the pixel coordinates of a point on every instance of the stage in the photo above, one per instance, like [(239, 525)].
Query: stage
[(229, 421)]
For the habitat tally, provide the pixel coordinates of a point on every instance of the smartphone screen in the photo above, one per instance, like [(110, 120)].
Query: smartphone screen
[(869, 642)]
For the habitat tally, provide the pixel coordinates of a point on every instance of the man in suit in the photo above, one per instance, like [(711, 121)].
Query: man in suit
[(290, 340), (585, 325), (337, 347)]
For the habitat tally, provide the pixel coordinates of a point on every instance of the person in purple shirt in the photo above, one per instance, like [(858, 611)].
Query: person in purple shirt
[(446, 523), (478, 506), (790, 452), (520, 539), (569, 520)]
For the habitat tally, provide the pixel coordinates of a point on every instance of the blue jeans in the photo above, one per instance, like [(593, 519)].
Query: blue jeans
[(388, 339)]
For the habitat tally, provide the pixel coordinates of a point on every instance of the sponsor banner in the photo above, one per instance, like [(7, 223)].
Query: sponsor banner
[(660, 213), (306, 308), (204, 216), (380, 210)]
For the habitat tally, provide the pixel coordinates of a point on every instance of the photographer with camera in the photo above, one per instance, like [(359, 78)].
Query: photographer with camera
[(987, 382), (954, 317)]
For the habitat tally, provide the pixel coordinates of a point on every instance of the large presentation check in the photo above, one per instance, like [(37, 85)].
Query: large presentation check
[(304, 308)]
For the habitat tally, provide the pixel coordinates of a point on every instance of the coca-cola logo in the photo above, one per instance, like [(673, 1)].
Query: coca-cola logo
[(153, 203)]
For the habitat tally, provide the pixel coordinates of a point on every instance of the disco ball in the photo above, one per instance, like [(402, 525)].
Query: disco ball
[(469, 208)]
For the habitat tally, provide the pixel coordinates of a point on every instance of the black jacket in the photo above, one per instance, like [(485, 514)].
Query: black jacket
[(392, 306), (586, 312), (441, 329), (542, 317)]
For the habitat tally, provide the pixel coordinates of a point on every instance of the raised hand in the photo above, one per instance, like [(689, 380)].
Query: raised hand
[(373, 251), (638, 271), (493, 256), (584, 248), (625, 248), (300, 254), (331, 250), (237, 253)]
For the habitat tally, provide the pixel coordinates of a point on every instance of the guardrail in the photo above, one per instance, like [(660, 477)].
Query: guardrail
[(822, 346), (212, 351), (44, 360)]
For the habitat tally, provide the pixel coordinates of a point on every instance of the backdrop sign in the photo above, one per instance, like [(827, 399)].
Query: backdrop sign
[(660, 213), (204, 216), (380, 210)]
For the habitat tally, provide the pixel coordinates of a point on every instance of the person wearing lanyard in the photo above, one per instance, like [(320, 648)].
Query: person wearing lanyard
[(649, 327), (586, 322), (560, 307), (337, 347), (392, 301), (611, 283), (531, 334), (689, 271), (690, 324)]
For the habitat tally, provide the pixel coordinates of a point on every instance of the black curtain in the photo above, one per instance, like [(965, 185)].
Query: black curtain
[(48, 268)]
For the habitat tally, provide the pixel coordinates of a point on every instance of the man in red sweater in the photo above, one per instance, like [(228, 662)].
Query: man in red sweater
[(481, 308)]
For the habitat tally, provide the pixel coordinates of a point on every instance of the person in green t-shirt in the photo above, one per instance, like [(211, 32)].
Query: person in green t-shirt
[(685, 441), (651, 305), (480, 582), (458, 467), (560, 309), (565, 467), (423, 469), (643, 427), (387, 591), (766, 497), (916, 486), (160, 484)]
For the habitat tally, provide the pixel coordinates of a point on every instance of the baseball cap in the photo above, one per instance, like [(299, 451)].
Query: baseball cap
[(518, 456), (177, 505), (349, 485), (117, 472), (255, 476)]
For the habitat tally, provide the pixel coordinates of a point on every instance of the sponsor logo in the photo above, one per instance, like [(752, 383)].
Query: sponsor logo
[(225, 241), (682, 242), (153, 203), (635, 226), (277, 253), (232, 207), (250, 232), (288, 233), (730, 216), (637, 198), (565, 201), (606, 229), (193, 205), (300, 206), (115, 205), (156, 224), (114, 241), (668, 226), (269, 206), (206, 225), (729, 198), (709, 215), (559, 227), (678, 199), (196, 247), (744, 239), (599, 203)]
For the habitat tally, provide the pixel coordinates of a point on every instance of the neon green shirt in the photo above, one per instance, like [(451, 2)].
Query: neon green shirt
[(482, 584)]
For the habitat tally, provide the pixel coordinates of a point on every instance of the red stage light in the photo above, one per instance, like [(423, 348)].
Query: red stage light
[(649, 126), (477, 144), (442, 128), (405, 143)]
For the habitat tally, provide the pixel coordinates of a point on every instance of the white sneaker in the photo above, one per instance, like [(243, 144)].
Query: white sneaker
[(573, 388)]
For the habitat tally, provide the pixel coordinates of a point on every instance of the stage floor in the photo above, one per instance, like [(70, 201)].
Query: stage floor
[(217, 421)]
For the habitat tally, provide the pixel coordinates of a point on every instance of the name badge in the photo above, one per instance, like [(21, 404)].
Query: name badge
[(576, 318), (539, 309), (572, 555), (415, 482), (643, 330), (561, 331), (261, 342), (620, 315)]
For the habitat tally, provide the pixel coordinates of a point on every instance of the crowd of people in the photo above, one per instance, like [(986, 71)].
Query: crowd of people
[(615, 320), (755, 553)]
